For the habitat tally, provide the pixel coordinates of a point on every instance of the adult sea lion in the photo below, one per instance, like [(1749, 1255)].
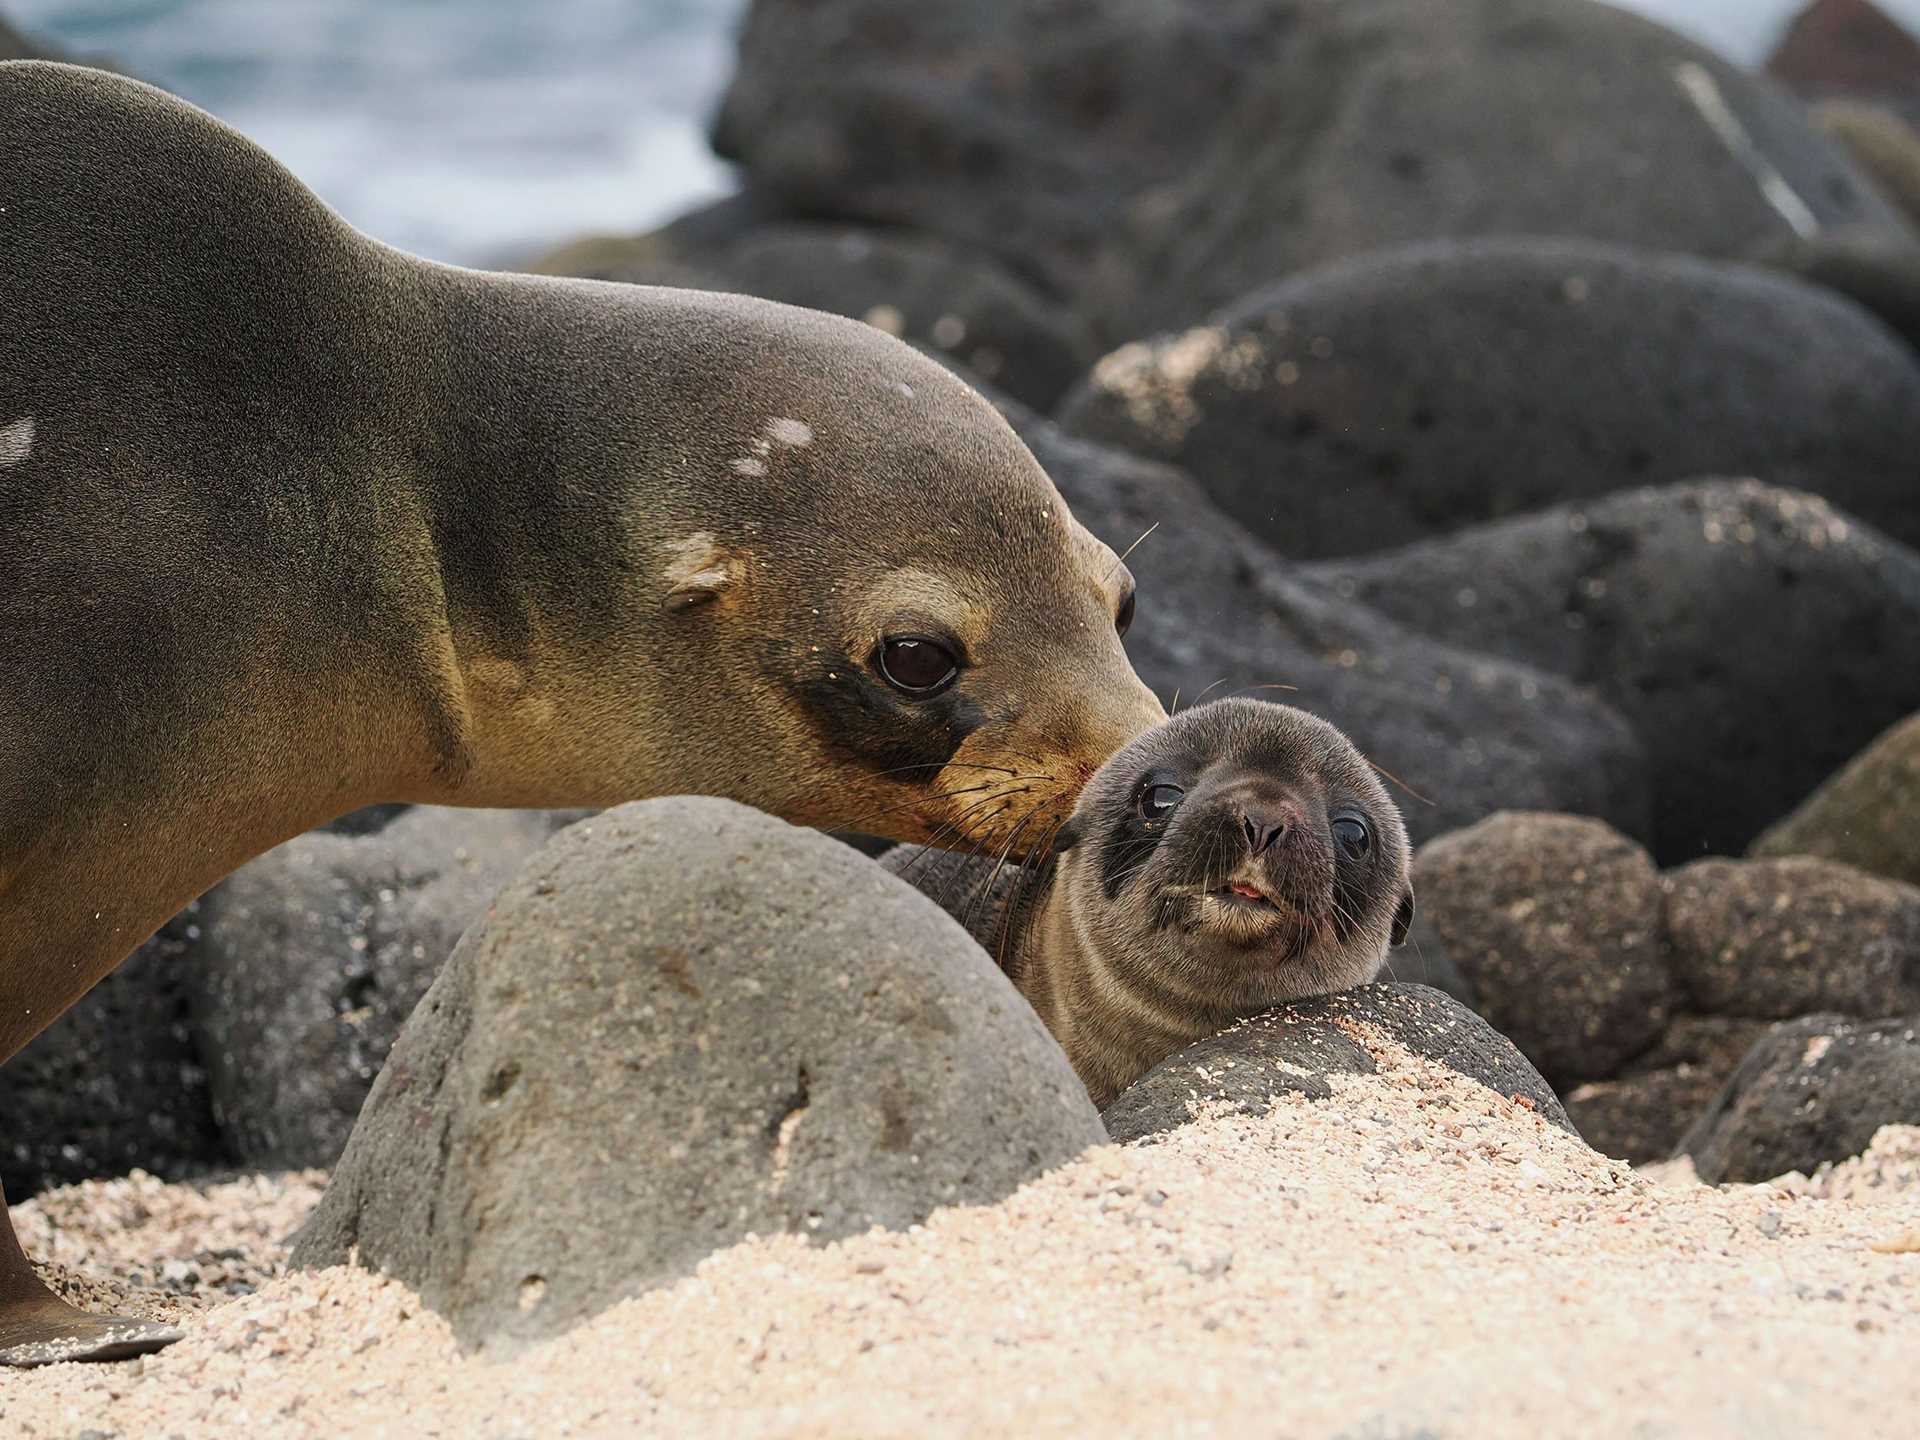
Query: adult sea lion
[(1237, 857), (292, 522)]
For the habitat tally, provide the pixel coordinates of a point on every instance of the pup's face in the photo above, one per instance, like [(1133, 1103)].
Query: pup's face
[(1242, 854)]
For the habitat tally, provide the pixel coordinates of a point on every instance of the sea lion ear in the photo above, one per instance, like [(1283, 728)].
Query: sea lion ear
[(1064, 839), (1403, 919), (699, 570)]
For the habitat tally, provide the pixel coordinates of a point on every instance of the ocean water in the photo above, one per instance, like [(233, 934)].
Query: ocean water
[(472, 131), (480, 131)]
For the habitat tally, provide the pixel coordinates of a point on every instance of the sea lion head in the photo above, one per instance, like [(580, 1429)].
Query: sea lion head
[(1242, 855), (939, 637)]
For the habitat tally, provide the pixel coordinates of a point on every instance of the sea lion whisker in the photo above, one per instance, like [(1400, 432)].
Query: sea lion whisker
[(856, 822), (955, 825), (1210, 689), (942, 765), (1023, 883), (1398, 781), (960, 872), (1013, 837), (1122, 559)]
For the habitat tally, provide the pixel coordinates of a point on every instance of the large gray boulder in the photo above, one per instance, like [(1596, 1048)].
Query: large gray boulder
[(1469, 732), (1417, 391), (1693, 609), (1155, 158), (310, 959), (681, 1023)]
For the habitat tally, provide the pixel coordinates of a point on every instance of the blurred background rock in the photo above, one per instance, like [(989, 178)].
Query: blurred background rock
[(479, 131)]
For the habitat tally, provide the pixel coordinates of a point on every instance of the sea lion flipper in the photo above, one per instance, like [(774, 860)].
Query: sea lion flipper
[(37, 1327), (51, 1331)]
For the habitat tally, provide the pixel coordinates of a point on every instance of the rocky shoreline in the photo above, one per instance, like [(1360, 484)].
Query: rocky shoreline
[(1511, 382)]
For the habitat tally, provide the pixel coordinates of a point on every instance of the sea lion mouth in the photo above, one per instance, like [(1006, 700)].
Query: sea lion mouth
[(1243, 895)]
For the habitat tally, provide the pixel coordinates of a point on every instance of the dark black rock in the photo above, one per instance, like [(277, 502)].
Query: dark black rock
[(1292, 1049), (1812, 1090), (1220, 613), (1414, 392), (1694, 609), (116, 1083), (1153, 161), (1775, 939), (1555, 921), (312, 957), (681, 1022)]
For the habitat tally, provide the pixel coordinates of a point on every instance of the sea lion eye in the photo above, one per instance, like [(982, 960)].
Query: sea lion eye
[(1123, 617), (915, 665), (1157, 801), (1351, 834)]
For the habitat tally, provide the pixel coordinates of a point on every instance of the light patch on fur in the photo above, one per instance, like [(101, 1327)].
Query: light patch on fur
[(16, 442), (749, 466), (698, 569), (795, 434), (1699, 86)]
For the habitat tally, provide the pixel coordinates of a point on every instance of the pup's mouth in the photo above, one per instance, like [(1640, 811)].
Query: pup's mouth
[(1243, 894)]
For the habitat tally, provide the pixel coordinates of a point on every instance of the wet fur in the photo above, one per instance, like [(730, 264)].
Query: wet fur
[(1109, 942)]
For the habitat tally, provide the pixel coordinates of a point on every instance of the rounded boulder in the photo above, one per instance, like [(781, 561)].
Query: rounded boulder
[(685, 1022), (1555, 922), (1413, 392)]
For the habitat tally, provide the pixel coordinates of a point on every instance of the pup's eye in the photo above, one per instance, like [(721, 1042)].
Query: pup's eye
[(1157, 801), (1123, 617), (1351, 834), (916, 666)]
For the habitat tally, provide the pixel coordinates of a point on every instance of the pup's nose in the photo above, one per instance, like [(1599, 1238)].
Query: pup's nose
[(1263, 829)]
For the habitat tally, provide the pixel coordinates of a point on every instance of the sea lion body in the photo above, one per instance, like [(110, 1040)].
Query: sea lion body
[(1239, 856), (292, 522)]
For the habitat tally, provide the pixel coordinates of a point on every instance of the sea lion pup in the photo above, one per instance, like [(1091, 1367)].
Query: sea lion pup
[(1239, 856), (292, 522)]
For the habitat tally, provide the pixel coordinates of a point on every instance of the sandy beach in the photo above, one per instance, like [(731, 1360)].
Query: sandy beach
[(1417, 1256)]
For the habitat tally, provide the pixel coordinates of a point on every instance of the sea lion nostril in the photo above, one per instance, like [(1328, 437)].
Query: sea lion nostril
[(1262, 833)]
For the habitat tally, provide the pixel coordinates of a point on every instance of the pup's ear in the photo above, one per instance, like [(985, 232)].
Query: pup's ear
[(1403, 919), (1065, 839), (699, 570)]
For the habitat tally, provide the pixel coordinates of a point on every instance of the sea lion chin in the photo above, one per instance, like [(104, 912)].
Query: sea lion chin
[(1239, 856), (293, 523)]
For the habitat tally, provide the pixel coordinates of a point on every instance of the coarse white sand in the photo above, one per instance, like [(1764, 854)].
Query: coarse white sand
[(1417, 1255)]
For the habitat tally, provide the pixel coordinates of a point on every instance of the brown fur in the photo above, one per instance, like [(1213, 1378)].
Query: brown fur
[(1119, 944), (305, 523)]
